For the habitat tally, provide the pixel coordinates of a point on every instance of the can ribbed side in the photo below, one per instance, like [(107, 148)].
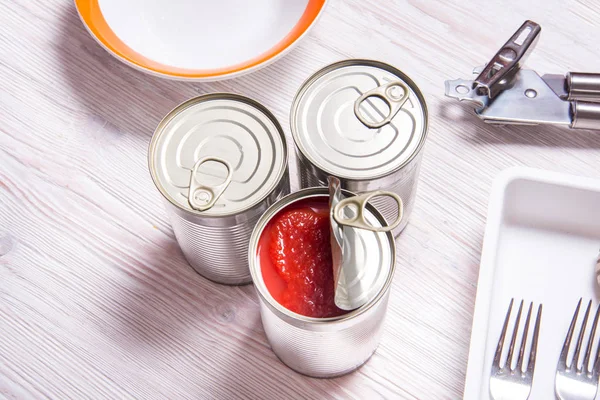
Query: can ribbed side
[(325, 353), (217, 253), (218, 249), (307, 178)]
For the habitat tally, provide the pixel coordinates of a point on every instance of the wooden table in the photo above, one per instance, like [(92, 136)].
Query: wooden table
[(96, 299)]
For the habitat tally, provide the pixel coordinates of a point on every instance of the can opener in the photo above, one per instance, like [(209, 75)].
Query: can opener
[(352, 288), (504, 93)]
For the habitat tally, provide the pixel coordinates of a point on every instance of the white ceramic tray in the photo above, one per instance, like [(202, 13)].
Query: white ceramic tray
[(541, 244)]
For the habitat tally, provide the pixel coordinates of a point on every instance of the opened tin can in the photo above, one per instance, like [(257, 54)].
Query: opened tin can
[(219, 160), (364, 122), (332, 346)]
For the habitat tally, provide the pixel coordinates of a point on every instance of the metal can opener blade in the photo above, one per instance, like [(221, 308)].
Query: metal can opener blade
[(505, 93)]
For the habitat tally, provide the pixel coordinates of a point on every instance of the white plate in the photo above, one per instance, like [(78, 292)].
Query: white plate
[(541, 244), (198, 39)]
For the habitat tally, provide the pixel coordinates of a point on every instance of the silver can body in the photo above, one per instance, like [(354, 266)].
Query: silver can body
[(218, 249), (329, 353), (251, 144), (331, 140), (323, 347)]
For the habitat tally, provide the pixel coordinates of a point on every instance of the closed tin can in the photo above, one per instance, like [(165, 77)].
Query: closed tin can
[(326, 347), (364, 122), (219, 160)]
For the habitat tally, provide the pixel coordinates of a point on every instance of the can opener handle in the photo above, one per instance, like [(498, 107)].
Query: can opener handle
[(495, 76), (202, 197), (394, 94), (360, 202)]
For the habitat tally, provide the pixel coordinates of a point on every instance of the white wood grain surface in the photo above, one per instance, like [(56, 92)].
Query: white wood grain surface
[(96, 300)]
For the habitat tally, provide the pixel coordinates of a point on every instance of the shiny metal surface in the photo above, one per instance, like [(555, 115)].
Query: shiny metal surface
[(337, 246), (514, 383), (201, 196), (495, 76), (464, 90), (575, 379), (238, 149), (558, 84), (358, 219), (503, 93), (329, 353), (215, 252), (598, 270), (586, 115), (231, 127), (356, 281), (404, 182), (529, 101), (217, 248), (327, 347), (328, 133), (331, 140), (583, 86), (394, 94)]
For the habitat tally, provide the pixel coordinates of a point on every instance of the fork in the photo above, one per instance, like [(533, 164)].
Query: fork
[(573, 382), (507, 383)]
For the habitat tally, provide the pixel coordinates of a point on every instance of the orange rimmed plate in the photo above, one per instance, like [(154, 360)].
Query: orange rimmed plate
[(200, 40)]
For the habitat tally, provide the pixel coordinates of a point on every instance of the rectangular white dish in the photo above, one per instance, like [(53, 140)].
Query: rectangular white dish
[(541, 244)]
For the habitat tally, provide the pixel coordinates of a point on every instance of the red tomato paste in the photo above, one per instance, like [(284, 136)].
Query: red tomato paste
[(295, 259)]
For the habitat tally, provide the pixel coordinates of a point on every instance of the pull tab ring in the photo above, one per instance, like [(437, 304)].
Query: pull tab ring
[(360, 202), (394, 94), (202, 197)]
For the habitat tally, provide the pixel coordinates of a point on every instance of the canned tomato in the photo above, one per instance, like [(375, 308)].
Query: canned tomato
[(364, 122), (305, 328), (219, 160)]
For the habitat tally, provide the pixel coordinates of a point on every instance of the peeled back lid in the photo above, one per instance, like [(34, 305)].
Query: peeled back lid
[(339, 119), (227, 148), (360, 268)]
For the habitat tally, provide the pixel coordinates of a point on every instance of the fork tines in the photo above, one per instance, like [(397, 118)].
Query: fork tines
[(521, 355), (573, 363)]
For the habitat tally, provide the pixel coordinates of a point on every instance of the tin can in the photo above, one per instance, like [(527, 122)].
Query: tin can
[(326, 347), (364, 122), (219, 160)]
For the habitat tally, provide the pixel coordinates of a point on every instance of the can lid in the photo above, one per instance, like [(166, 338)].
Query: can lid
[(217, 154), (359, 119), (357, 280)]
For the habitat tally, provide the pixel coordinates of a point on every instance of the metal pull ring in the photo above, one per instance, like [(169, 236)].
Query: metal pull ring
[(202, 197), (394, 94), (360, 201)]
